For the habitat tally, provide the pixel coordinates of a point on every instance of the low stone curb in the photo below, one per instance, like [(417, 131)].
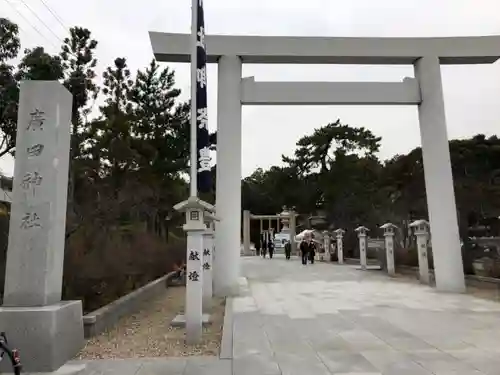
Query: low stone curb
[(483, 279), (67, 369), (107, 316), (470, 279), (226, 345)]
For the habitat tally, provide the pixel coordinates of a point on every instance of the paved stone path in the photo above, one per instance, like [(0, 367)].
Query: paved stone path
[(326, 319)]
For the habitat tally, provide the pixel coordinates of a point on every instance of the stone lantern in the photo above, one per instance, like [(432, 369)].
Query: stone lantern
[(287, 232), (389, 233), (362, 234), (339, 233), (421, 231), (285, 220), (194, 209), (326, 244)]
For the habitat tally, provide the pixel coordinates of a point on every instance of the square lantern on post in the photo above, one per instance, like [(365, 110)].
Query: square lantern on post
[(389, 228), (194, 208), (195, 228), (421, 231), (327, 244), (389, 233), (362, 231), (420, 227), (339, 232)]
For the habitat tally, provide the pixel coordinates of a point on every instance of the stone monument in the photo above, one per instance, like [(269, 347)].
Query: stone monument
[(47, 331)]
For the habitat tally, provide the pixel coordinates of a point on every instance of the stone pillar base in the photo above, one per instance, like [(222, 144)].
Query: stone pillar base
[(46, 336)]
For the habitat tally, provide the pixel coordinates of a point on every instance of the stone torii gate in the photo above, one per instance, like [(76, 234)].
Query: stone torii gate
[(290, 216), (424, 91)]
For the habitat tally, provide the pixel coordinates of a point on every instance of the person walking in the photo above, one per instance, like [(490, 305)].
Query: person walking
[(288, 249), (264, 248), (257, 247), (312, 251), (304, 251), (271, 249)]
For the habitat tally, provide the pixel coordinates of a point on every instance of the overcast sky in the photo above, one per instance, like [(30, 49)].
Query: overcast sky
[(472, 93)]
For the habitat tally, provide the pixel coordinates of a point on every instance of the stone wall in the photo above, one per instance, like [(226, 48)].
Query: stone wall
[(107, 316)]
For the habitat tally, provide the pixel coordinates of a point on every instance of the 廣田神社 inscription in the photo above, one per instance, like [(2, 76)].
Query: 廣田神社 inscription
[(37, 119), (30, 220), (31, 180), (35, 150)]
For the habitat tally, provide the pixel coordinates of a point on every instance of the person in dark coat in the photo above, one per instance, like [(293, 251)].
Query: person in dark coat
[(271, 249), (312, 251), (304, 251), (257, 248), (288, 250), (264, 248)]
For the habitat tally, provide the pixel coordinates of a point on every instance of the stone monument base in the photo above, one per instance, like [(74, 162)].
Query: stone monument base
[(46, 336), (180, 321)]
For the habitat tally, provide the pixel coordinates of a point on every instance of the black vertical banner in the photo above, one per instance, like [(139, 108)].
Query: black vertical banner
[(203, 138)]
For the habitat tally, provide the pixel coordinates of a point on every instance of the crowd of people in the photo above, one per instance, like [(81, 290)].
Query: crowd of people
[(307, 249)]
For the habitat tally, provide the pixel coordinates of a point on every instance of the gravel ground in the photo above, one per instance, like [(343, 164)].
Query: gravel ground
[(149, 334)]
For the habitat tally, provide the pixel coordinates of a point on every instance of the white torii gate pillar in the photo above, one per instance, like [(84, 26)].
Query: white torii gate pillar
[(228, 181), (246, 232), (441, 203)]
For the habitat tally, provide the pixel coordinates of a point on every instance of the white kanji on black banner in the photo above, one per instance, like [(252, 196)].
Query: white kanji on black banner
[(203, 136)]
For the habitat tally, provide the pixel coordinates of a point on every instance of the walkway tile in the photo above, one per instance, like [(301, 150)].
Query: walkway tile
[(360, 340), (153, 366), (292, 364), (206, 366), (113, 367), (346, 362), (329, 341), (255, 364), (440, 362)]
